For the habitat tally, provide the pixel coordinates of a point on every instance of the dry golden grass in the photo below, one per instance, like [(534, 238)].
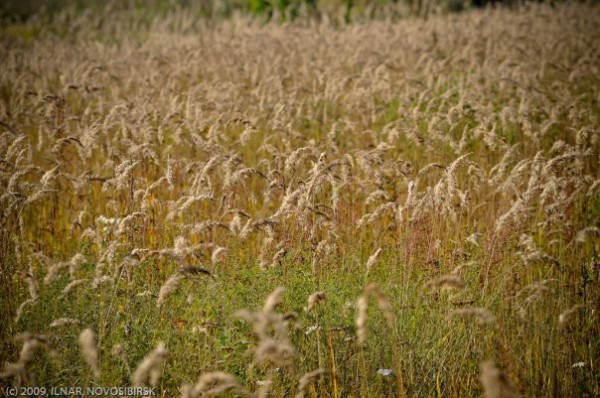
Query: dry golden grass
[(426, 191)]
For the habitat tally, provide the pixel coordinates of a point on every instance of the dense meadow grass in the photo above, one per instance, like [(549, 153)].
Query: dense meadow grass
[(239, 208)]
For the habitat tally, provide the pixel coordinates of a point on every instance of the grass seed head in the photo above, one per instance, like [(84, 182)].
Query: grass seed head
[(89, 350)]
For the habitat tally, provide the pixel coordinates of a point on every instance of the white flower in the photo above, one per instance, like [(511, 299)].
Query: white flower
[(385, 372), (578, 365), (312, 329)]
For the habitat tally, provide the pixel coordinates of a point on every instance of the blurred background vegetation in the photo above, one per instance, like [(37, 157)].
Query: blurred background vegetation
[(284, 10)]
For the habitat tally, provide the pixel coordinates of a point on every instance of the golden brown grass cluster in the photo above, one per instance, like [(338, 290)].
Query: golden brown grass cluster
[(427, 191)]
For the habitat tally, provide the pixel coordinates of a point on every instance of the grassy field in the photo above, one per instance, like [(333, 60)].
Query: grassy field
[(308, 209)]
